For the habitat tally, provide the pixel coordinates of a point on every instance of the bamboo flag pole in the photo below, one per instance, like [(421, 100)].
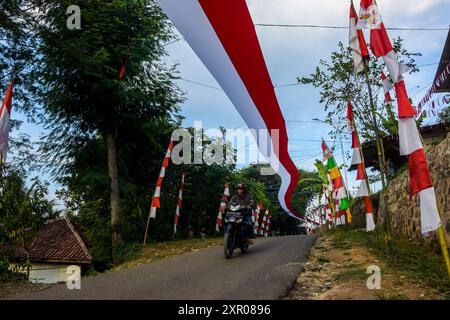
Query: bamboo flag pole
[(378, 144), (365, 176)]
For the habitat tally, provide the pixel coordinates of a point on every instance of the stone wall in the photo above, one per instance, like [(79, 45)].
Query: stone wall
[(404, 214)]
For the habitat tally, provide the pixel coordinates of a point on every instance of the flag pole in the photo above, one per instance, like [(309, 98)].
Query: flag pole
[(146, 228), (378, 144), (367, 180)]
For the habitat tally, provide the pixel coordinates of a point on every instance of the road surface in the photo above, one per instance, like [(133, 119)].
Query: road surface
[(267, 271)]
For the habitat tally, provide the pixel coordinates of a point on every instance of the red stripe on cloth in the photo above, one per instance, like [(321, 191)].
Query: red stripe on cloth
[(166, 162), (155, 202), (179, 203), (360, 172), (405, 109), (7, 101), (355, 143), (361, 40), (366, 3), (387, 97), (233, 25), (380, 44), (349, 112), (159, 181), (337, 183), (419, 174), (340, 213), (368, 205)]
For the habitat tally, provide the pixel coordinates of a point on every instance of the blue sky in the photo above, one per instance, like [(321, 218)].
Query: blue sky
[(292, 52)]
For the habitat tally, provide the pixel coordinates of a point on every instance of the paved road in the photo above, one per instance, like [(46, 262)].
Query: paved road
[(267, 271)]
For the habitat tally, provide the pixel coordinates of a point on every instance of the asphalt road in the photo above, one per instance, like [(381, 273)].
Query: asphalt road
[(267, 271)]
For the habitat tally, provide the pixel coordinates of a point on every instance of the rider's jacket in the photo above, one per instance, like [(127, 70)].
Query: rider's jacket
[(243, 200)]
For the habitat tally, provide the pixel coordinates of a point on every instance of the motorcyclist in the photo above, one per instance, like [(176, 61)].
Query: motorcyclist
[(243, 199)]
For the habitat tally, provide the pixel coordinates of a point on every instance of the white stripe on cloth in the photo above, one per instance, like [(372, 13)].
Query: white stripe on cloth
[(190, 20), (157, 192), (409, 137), (162, 173), (395, 68), (356, 158), (429, 215), (362, 190), (358, 64), (153, 212), (370, 224)]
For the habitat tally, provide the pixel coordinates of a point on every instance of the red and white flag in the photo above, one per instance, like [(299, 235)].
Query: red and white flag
[(155, 201), (409, 138), (223, 206), (223, 36), (363, 191), (264, 221), (380, 44), (5, 113), (387, 86), (180, 199), (357, 42), (256, 218)]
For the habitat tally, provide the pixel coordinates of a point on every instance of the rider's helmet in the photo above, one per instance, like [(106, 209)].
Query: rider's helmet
[(241, 186)]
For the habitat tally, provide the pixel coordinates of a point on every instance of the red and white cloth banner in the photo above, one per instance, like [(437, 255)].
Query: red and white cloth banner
[(436, 85), (180, 199), (360, 175), (5, 113), (223, 206), (357, 42), (256, 218), (223, 36), (155, 201), (263, 222), (409, 137), (387, 86), (380, 44), (266, 230)]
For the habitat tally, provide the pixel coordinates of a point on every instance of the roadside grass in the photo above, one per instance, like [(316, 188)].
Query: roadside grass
[(135, 254), (412, 261)]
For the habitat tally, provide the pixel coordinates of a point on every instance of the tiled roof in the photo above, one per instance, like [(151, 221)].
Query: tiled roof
[(57, 241)]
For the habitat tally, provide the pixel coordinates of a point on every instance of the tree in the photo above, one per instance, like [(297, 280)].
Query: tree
[(301, 197), (84, 102), (23, 209), (339, 84)]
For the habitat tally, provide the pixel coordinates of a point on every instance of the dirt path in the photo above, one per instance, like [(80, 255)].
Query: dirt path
[(339, 272)]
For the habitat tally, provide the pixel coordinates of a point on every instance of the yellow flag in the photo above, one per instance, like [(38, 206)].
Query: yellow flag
[(334, 173)]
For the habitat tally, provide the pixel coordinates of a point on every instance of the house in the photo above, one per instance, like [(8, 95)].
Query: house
[(57, 246), (431, 135)]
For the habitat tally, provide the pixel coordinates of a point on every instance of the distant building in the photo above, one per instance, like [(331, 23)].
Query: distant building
[(431, 135), (56, 246)]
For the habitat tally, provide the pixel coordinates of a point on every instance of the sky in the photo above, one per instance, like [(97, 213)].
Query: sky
[(294, 52)]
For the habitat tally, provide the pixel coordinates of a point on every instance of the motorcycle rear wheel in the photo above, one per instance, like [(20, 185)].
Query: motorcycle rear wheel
[(228, 246)]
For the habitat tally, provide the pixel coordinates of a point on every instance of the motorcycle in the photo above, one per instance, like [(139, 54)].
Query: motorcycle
[(235, 230)]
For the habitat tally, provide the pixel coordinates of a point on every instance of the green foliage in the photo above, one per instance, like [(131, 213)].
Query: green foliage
[(23, 210), (339, 84)]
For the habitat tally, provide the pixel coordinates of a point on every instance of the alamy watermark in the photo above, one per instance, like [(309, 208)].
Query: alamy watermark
[(374, 280), (73, 22), (74, 278)]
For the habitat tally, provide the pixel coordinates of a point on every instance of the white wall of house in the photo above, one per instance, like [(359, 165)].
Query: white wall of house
[(48, 272)]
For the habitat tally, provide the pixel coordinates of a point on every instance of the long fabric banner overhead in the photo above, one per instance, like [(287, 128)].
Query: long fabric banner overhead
[(223, 36)]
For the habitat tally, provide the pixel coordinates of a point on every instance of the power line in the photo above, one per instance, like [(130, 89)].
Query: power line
[(202, 84), (315, 26)]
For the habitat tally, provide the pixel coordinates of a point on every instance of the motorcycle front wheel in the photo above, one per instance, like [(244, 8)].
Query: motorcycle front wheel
[(228, 246)]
